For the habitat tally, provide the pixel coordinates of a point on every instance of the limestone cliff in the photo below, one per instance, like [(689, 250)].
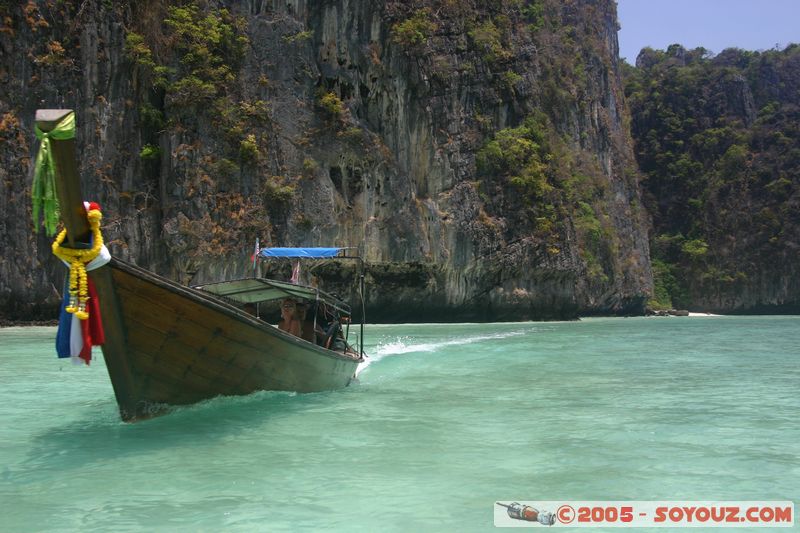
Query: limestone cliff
[(477, 151)]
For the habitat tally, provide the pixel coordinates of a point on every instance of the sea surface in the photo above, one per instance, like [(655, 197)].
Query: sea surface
[(445, 421)]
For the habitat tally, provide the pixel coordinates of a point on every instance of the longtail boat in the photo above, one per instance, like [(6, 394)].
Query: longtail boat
[(169, 345)]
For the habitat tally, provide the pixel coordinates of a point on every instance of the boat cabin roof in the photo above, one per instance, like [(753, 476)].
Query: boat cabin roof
[(256, 290)]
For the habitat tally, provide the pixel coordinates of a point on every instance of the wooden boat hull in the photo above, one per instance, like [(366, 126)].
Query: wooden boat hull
[(167, 344)]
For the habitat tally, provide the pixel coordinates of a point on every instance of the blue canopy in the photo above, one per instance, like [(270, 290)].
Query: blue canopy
[(310, 253)]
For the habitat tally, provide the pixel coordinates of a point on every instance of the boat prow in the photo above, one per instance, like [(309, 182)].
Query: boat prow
[(167, 344)]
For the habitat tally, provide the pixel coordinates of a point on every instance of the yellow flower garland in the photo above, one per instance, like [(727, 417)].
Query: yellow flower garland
[(77, 259)]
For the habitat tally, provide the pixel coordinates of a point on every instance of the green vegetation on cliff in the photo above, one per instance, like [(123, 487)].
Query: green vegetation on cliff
[(187, 77), (553, 165), (718, 138)]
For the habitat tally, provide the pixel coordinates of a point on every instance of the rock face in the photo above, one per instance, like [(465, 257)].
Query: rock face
[(477, 152)]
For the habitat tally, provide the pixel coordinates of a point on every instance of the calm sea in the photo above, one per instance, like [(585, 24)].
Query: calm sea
[(446, 420)]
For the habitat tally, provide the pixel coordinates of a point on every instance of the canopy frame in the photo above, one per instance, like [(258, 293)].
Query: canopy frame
[(258, 290), (319, 253)]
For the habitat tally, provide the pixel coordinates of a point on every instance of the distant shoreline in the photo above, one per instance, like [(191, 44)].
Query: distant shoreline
[(693, 314), (25, 323)]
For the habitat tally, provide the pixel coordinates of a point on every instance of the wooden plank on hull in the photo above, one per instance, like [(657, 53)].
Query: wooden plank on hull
[(204, 365), (145, 339), (193, 335), (115, 350), (155, 317), (168, 371), (179, 360), (164, 390)]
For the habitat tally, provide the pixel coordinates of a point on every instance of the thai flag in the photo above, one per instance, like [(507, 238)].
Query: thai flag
[(254, 257), (76, 337)]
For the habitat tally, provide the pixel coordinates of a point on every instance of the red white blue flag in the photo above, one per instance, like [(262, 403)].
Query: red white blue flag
[(76, 337)]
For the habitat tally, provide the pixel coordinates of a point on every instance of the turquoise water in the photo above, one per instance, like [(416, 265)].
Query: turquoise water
[(446, 420)]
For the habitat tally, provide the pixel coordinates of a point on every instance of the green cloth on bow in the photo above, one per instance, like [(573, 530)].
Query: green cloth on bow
[(43, 192)]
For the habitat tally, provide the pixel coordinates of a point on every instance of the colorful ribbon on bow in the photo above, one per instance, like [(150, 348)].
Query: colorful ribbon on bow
[(43, 191)]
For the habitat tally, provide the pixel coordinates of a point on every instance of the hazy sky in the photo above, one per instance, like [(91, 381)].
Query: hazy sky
[(712, 24)]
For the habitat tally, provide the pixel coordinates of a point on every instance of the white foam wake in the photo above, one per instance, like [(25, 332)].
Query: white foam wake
[(402, 345)]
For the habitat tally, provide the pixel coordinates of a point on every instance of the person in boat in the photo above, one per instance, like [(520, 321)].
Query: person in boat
[(306, 322), (318, 321), (292, 317), (329, 329), (334, 337), (294, 320)]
